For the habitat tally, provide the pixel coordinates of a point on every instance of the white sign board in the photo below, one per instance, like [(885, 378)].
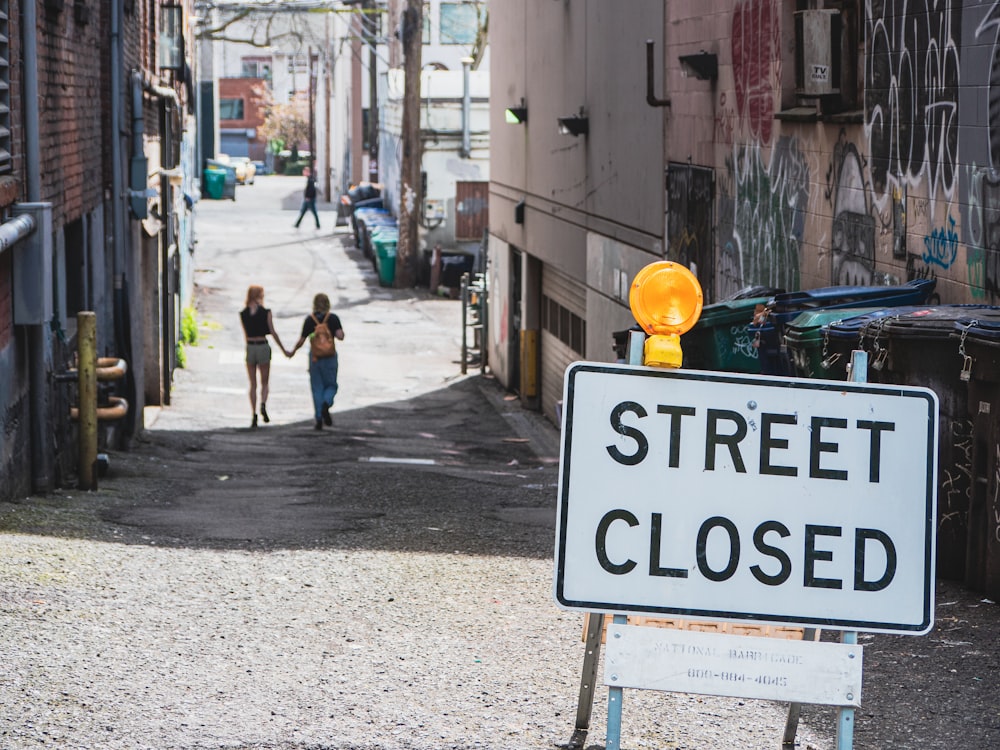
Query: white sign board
[(739, 497), (739, 666)]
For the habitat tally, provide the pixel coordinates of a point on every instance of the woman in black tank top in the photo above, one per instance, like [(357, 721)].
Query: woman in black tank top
[(257, 324)]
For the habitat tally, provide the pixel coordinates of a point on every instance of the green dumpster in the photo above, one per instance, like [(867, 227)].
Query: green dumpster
[(215, 183), (805, 337), (720, 340), (384, 245)]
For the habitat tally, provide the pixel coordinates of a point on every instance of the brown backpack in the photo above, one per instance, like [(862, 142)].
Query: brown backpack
[(321, 342)]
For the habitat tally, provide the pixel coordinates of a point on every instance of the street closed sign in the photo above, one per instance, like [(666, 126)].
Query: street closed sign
[(714, 495)]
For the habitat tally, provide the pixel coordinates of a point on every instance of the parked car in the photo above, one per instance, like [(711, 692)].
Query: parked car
[(246, 172)]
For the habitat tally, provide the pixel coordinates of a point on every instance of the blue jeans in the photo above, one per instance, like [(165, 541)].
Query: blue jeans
[(309, 204), (323, 380)]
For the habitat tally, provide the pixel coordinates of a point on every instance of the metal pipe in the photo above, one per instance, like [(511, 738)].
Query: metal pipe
[(38, 395), (651, 99), (466, 108), (117, 410), (86, 336), (15, 230)]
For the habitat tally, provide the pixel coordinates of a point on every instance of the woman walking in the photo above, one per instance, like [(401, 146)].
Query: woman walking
[(323, 329), (257, 324)]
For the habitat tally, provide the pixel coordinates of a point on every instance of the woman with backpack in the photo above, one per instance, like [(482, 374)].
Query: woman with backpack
[(322, 329)]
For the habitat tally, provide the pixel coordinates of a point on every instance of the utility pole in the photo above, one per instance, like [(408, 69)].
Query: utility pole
[(410, 180), (373, 26)]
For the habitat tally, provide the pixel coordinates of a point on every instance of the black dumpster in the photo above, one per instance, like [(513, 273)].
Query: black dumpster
[(978, 338), (921, 350)]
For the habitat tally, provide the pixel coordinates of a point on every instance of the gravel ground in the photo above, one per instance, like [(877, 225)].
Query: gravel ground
[(111, 645)]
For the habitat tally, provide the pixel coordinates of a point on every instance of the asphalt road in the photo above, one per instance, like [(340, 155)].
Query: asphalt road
[(384, 583)]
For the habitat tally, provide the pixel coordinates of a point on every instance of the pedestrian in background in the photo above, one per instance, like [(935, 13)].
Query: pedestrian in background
[(257, 325), (322, 329), (308, 199)]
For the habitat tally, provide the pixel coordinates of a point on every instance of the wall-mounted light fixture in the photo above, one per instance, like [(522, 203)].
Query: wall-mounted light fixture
[(517, 115), (171, 36), (704, 65), (519, 212), (574, 125)]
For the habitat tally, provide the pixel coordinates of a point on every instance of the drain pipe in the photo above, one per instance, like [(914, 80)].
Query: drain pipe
[(118, 180), (38, 386), (466, 108)]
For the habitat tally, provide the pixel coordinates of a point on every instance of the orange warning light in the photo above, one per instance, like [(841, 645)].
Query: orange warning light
[(665, 298)]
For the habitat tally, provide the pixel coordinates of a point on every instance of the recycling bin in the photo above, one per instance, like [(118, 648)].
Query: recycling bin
[(720, 339), (978, 337), (783, 308)]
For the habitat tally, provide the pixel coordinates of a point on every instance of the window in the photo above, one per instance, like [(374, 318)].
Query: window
[(425, 36), (256, 68), (231, 109), (459, 23), (5, 141), (565, 325)]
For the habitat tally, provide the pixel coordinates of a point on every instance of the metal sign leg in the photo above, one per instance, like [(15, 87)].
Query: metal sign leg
[(795, 709), (845, 720), (595, 630), (615, 707)]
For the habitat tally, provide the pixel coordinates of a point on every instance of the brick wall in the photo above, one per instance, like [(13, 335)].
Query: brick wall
[(70, 82)]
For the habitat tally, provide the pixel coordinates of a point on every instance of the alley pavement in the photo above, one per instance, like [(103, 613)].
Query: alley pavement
[(385, 583)]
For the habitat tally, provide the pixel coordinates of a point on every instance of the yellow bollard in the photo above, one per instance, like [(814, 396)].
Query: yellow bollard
[(86, 336)]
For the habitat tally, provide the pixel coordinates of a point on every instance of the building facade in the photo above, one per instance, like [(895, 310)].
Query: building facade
[(776, 143), (93, 178)]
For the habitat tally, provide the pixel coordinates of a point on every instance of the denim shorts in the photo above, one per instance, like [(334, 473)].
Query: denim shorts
[(258, 353)]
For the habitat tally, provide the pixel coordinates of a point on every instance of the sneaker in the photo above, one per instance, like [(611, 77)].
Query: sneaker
[(327, 419), (318, 425), (263, 413)]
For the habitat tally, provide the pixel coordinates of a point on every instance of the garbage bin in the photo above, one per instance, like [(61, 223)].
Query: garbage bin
[(807, 346), (384, 244), (215, 183), (720, 339), (783, 308), (979, 346), (921, 350), (367, 223)]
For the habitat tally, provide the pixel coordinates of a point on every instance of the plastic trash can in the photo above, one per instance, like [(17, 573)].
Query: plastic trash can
[(807, 346), (385, 258), (783, 308), (215, 183), (720, 339)]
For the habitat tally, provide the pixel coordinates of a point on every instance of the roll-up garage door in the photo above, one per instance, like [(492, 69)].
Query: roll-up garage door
[(563, 334)]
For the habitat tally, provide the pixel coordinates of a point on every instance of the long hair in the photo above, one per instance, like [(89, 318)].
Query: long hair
[(255, 294), (321, 304)]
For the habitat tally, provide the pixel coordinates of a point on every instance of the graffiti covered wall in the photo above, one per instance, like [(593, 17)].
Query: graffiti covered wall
[(903, 185)]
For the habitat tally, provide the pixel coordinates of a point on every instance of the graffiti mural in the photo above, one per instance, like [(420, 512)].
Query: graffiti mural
[(983, 252), (853, 241), (911, 92), (762, 220), (756, 49), (989, 30)]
